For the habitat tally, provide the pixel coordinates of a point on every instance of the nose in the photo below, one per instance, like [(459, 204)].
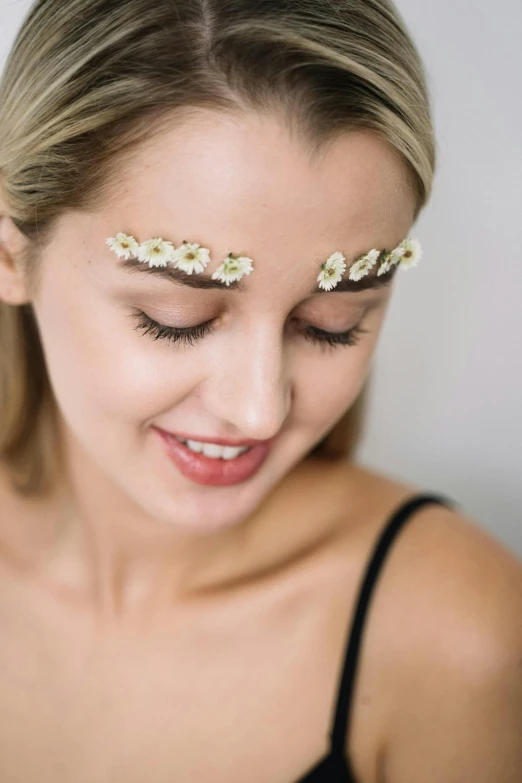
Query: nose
[(252, 389)]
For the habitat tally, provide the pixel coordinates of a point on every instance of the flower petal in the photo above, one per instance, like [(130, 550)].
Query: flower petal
[(191, 258), (233, 268), (155, 252), (124, 245), (363, 266), (412, 253)]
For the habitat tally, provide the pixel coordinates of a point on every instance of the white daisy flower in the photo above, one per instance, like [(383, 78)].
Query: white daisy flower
[(156, 252), (412, 253), (332, 271), (123, 245), (233, 268), (389, 259), (362, 267), (191, 258)]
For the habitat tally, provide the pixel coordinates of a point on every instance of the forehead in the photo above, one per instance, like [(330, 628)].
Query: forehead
[(244, 180)]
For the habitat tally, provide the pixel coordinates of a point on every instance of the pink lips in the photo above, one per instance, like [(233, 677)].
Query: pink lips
[(215, 472)]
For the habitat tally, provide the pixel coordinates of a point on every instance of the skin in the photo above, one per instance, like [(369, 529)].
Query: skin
[(254, 377), (132, 590)]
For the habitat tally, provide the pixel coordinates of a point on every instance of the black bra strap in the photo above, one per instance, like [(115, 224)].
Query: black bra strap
[(403, 513)]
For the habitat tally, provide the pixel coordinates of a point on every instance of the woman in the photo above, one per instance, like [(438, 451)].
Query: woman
[(204, 208)]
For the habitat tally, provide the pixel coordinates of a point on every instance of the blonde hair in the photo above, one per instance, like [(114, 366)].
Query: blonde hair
[(88, 80)]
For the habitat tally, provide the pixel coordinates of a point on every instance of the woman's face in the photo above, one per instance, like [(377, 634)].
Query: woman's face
[(231, 185)]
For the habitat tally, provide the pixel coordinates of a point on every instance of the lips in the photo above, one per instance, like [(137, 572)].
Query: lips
[(215, 472)]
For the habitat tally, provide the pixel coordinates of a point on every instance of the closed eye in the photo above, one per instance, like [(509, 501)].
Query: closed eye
[(191, 334)]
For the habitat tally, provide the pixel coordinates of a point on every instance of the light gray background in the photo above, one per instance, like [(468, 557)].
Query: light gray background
[(446, 402)]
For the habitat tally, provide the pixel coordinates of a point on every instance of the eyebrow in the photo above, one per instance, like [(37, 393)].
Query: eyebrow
[(179, 277)]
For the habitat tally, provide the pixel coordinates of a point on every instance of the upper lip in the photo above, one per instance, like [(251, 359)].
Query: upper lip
[(218, 441)]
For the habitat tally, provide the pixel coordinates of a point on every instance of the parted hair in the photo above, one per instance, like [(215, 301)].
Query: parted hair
[(88, 80)]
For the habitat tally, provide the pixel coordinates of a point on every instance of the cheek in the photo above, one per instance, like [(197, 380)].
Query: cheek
[(102, 366), (332, 382), (327, 394)]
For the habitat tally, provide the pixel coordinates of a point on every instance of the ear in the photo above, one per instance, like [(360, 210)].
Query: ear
[(13, 288)]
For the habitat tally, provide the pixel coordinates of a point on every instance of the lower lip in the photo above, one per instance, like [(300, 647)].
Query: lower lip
[(214, 472)]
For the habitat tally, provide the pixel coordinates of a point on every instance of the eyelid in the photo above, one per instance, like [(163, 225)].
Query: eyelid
[(162, 331), (321, 337)]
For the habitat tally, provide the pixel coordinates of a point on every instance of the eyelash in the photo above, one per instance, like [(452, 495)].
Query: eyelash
[(189, 336)]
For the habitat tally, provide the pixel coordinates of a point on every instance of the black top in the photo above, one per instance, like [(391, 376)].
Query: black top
[(335, 767)]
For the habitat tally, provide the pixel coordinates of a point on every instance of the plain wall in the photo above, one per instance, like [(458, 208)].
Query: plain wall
[(446, 400), (446, 407)]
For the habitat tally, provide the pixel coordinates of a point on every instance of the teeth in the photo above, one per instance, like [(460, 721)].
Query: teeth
[(214, 451), (230, 452), (194, 445)]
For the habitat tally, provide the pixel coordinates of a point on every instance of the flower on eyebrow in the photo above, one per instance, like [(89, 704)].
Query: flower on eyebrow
[(155, 252), (123, 245), (362, 267), (191, 258), (412, 253), (233, 268), (390, 257), (332, 271)]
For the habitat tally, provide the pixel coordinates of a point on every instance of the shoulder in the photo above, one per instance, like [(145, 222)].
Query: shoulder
[(443, 639), (453, 629), (464, 582)]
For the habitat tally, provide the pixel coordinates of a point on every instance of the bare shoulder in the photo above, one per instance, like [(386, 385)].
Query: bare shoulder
[(448, 611), (454, 585), (457, 711), (442, 651)]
